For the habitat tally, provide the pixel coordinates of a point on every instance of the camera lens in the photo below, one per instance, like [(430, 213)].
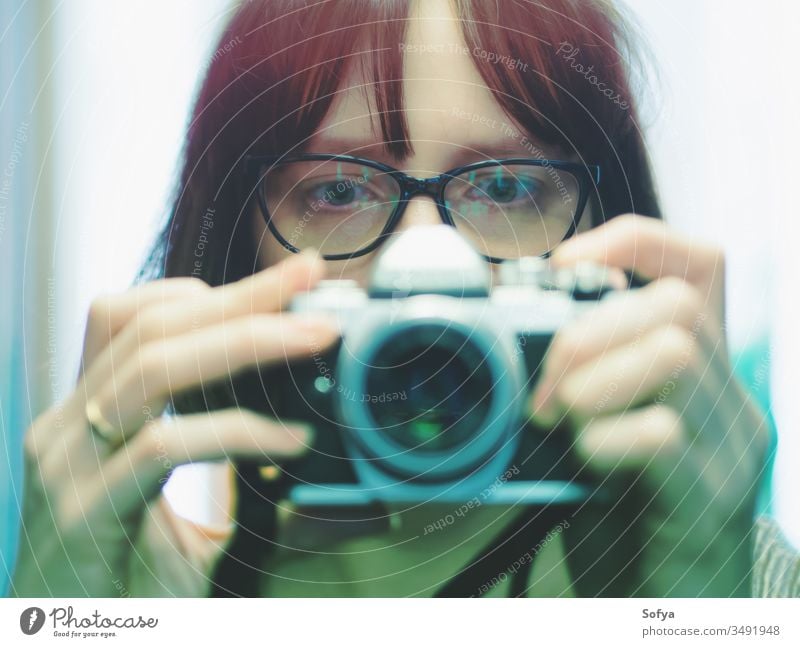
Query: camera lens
[(429, 388)]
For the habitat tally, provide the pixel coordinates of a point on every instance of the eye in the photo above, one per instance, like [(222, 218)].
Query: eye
[(502, 187), (336, 194), (339, 193)]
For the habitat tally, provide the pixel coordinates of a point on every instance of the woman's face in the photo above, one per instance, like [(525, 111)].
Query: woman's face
[(452, 120)]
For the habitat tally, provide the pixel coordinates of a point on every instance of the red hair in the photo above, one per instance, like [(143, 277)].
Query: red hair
[(280, 64)]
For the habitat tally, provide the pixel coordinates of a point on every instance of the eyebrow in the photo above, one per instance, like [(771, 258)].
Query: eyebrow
[(344, 146), (506, 147)]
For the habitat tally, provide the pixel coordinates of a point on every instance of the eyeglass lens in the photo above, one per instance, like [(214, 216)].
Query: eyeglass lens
[(506, 210)]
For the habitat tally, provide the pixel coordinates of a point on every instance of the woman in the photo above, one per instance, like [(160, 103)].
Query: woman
[(424, 87)]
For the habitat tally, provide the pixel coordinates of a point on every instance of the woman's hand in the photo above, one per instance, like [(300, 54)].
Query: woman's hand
[(645, 384), (95, 522)]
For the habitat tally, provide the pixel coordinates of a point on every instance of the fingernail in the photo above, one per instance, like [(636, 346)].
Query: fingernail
[(544, 410), (566, 252), (616, 278), (320, 324), (542, 393), (311, 255), (303, 433), (311, 252)]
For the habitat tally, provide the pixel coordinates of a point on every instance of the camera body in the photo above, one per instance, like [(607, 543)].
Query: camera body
[(425, 397)]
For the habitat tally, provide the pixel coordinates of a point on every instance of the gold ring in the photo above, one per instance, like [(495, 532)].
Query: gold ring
[(101, 427)]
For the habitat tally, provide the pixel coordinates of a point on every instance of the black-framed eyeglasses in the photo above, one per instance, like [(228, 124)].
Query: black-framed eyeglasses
[(346, 206)]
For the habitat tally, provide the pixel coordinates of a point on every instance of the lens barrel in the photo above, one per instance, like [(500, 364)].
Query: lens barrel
[(429, 399)]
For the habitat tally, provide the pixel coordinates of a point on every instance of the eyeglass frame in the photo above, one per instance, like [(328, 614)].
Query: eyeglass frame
[(411, 187)]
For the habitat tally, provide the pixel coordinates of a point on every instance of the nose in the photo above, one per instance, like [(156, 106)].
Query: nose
[(420, 210)]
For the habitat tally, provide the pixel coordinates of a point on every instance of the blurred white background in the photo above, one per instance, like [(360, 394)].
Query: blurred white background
[(724, 138), (108, 96), (94, 102)]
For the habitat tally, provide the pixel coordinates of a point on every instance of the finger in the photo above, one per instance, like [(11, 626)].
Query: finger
[(272, 289), (657, 442), (142, 386), (649, 248), (137, 472), (182, 552), (266, 291), (635, 440), (623, 318), (624, 377), (108, 314)]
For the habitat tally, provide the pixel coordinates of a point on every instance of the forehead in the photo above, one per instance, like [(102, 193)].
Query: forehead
[(446, 101)]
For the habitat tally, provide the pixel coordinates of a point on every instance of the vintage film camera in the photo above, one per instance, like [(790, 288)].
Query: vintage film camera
[(424, 398)]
